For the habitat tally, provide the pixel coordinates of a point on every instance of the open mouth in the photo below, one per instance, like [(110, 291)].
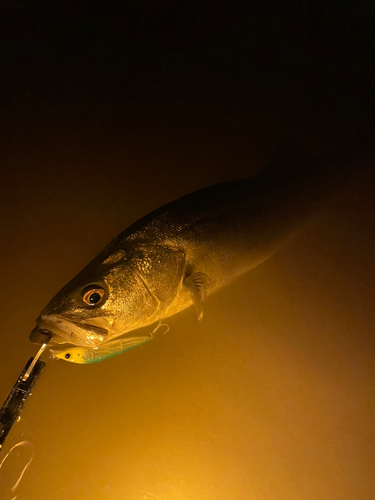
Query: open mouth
[(40, 336), (101, 332), (57, 330)]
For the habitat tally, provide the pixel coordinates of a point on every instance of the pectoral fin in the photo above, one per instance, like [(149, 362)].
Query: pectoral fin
[(197, 284)]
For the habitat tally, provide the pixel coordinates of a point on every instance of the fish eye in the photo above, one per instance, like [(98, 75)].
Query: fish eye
[(67, 355), (93, 296)]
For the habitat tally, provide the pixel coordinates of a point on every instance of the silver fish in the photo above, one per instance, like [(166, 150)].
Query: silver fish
[(179, 254)]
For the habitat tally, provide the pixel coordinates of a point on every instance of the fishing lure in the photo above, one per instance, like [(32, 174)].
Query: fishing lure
[(87, 355)]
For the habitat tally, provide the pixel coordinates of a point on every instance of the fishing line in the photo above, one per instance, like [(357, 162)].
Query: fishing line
[(21, 443), (37, 356)]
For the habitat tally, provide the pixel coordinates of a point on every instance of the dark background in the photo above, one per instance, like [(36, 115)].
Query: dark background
[(308, 65)]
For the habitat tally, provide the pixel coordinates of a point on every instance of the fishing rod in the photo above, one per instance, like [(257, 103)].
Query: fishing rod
[(14, 403)]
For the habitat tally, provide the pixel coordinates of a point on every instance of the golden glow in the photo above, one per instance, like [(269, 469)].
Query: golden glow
[(269, 397)]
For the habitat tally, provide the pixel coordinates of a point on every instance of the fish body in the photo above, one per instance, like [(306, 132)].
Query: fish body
[(182, 252)]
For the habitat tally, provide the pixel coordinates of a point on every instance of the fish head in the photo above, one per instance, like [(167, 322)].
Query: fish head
[(116, 293)]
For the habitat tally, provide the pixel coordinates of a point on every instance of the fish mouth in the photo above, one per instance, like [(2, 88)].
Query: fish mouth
[(55, 329), (40, 336), (99, 330)]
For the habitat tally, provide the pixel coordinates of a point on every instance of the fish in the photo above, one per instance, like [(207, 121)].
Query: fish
[(181, 253)]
